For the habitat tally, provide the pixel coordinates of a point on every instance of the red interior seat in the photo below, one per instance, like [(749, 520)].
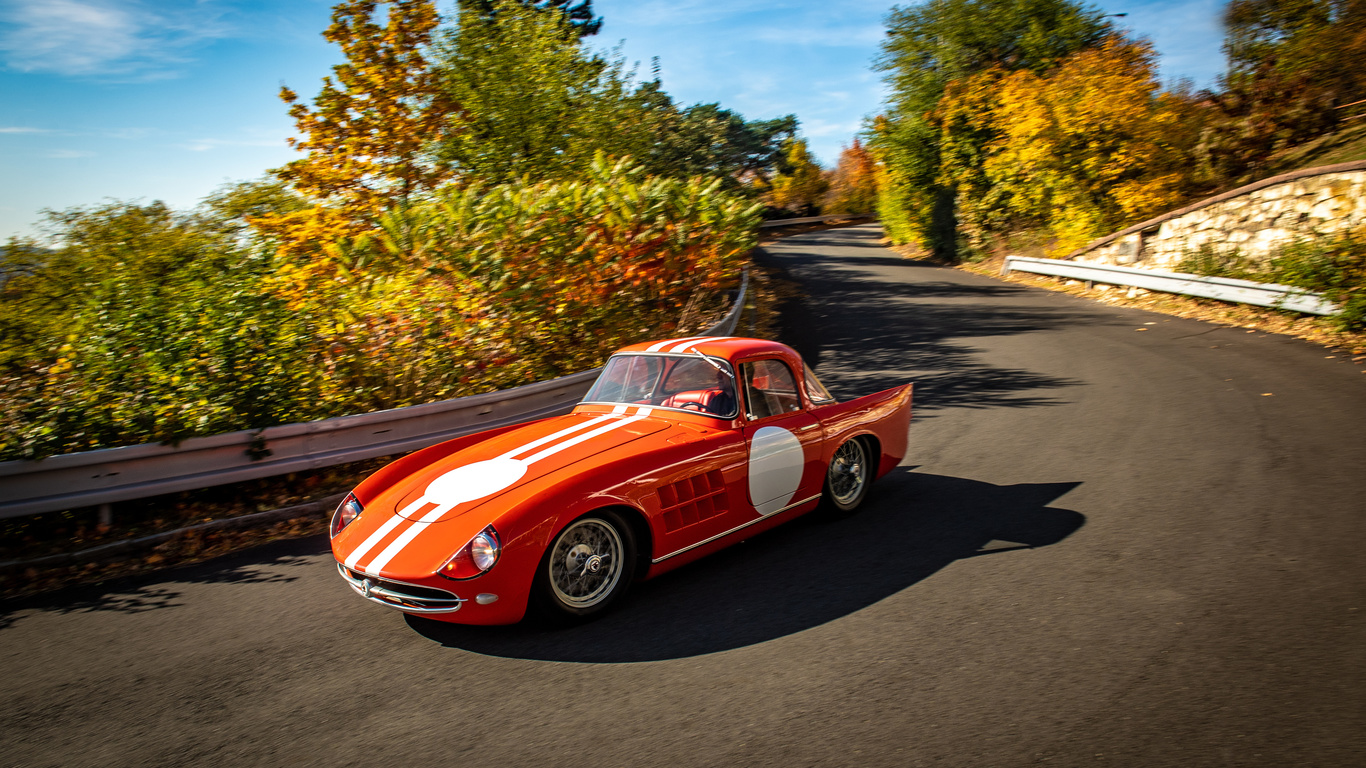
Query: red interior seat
[(702, 398)]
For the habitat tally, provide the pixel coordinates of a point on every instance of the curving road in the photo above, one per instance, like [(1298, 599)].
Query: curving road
[(1120, 539)]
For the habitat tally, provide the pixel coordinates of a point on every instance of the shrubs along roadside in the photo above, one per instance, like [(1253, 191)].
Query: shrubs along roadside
[(148, 325), (1332, 265)]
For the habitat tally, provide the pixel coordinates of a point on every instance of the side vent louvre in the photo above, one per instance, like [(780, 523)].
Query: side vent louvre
[(692, 500)]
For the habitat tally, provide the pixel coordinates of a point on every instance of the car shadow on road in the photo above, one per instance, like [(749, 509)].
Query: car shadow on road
[(814, 570)]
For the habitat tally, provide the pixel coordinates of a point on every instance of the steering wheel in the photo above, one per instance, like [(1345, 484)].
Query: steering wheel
[(693, 406)]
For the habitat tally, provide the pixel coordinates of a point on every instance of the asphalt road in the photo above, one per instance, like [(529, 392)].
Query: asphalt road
[(1119, 539)]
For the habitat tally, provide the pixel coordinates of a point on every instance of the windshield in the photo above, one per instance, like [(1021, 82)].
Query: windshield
[(683, 382)]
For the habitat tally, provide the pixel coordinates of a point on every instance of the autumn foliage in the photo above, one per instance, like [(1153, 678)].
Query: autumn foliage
[(364, 138), (375, 271), (1083, 149), (798, 188), (469, 290), (853, 183), (1038, 119)]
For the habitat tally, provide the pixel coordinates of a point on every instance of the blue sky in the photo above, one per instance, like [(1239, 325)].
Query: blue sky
[(169, 99)]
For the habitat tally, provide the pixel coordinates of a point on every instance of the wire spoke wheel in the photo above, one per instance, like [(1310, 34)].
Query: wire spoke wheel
[(847, 478), (586, 563)]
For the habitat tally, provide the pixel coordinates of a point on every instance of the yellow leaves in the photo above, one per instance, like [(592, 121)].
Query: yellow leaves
[(365, 137), (804, 184), (1082, 147)]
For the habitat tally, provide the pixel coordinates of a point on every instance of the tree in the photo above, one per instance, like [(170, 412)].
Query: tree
[(579, 15), (365, 138), (1085, 148), (940, 41), (1291, 62), (706, 140), (799, 186), (853, 183), (535, 103)]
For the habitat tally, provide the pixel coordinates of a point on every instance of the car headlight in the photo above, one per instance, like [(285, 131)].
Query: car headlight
[(477, 556), (346, 513)]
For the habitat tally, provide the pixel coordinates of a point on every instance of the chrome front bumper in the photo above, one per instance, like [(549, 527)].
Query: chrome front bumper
[(409, 598)]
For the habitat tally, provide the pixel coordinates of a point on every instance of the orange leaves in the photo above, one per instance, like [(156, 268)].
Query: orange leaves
[(853, 183)]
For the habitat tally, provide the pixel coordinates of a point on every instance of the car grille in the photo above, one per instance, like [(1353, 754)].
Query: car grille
[(411, 598)]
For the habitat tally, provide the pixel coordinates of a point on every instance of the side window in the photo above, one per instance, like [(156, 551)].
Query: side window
[(814, 391), (770, 389)]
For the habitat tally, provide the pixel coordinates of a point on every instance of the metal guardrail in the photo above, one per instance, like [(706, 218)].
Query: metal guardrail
[(105, 476), (814, 219), (1221, 288)]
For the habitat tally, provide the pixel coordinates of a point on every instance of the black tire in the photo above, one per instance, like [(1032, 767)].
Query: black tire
[(848, 476), (586, 569)]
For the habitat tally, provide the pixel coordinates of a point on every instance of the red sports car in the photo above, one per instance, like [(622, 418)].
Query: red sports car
[(681, 447)]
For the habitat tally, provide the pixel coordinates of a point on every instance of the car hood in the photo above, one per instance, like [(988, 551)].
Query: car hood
[(465, 480)]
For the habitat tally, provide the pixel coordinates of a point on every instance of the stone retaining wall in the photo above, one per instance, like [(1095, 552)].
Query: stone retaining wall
[(1255, 219)]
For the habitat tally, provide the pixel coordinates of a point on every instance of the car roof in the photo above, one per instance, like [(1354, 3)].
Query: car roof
[(730, 348)]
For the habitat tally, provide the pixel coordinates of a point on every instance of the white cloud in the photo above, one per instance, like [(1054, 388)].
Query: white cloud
[(21, 129), (204, 145), (120, 38)]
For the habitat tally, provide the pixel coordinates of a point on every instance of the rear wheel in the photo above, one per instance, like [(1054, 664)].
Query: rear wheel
[(848, 476), (587, 567)]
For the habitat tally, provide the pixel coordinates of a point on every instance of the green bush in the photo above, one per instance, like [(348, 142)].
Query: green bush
[(1334, 266), (146, 325), (1219, 262)]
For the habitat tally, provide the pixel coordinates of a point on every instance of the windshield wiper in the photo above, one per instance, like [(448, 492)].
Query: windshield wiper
[(714, 364)]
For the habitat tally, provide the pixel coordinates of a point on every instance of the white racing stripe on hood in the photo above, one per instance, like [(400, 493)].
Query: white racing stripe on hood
[(374, 539), (418, 526), (554, 449), (406, 538), (562, 433)]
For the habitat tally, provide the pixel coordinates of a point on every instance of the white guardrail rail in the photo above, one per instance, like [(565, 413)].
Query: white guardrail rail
[(105, 476), (1221, 288)]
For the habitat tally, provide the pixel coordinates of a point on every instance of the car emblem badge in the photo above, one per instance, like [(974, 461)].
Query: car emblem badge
[(365, 587)]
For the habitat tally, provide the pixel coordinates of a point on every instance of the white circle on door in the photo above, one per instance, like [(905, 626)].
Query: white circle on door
[(775, 468)]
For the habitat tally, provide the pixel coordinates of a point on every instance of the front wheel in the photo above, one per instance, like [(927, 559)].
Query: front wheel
[(848, 476), (587, 567)]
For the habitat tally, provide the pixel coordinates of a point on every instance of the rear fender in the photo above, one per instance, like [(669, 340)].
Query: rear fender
[(885, 416)]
